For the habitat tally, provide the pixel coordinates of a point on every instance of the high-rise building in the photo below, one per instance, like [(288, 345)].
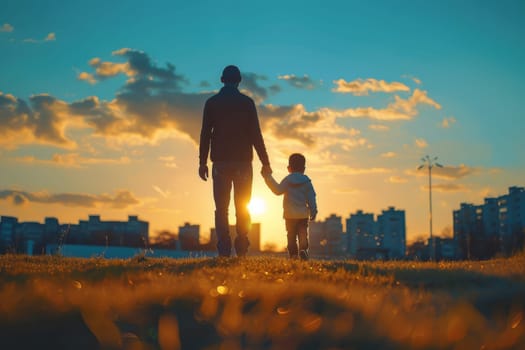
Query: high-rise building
[(466, 225), (137, 228), (32, 237), (131, 233), (51, 229), (381, 239), (497, 225), (360, 230), (490, 215), (7, 233), (189, 236), (317, 238), (391, 229), (512, 219), (326, 238), (333, 227)]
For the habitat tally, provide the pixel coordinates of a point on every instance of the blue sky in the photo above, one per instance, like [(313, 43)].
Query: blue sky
[(327, 79)]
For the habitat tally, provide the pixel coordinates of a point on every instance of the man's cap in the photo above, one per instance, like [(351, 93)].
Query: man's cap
[(231, 74)]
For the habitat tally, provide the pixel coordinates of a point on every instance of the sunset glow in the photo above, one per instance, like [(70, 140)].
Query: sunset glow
[(107, 121), (257, 206)]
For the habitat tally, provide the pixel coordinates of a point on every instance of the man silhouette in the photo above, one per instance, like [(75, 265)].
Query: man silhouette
[(230, 124)]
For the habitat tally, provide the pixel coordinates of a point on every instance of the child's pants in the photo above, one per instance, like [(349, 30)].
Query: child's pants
[(297, 230)]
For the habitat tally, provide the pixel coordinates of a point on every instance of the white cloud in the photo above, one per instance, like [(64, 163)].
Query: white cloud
[(341, 169), (400, 109), (50, 37), (164, 194), (87, 77), (454, 172), (378, 127), (42, 121), (169, 161), (303, 82), (447, 187), (389, 155), (395, 179), (413, 78), (6, 28), (151, 105), (361, 87), (421, 143), (120, 200), (72, 160), (448, 122), (313, 129), (447, 172)]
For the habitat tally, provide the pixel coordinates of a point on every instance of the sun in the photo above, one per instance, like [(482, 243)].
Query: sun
[(257, 206)]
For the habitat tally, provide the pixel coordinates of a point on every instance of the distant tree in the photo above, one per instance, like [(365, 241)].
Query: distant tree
[(165, 240), (418, 249), (270, 247), (209, 246), (189, 243), (447, 232)]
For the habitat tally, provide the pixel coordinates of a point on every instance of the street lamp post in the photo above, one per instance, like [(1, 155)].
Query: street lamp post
[(429, 163)]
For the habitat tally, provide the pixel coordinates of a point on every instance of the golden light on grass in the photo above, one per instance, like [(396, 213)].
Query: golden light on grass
[(208, 308), (222, 290), (516, 320), (169, 332), (346, 304), (102, 326)]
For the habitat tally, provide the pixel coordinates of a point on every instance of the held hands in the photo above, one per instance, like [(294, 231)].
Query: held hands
[(203, 172), (266, 170)]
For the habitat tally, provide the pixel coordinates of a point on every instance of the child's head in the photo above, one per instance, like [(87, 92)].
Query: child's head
[(296, 163)]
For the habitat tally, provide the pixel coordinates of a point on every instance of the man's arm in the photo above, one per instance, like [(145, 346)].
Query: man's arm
[(204, 144), (257, 138)]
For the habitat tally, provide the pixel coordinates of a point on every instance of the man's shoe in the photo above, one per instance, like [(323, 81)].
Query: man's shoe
[(303, 255)]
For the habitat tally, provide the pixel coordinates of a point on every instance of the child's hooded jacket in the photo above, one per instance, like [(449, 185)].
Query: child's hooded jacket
[(299, 196)]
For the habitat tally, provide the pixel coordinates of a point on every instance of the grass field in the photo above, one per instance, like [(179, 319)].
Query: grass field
[(260, 303)]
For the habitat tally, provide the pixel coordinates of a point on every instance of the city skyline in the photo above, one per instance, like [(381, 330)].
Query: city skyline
[(479, 232), (100, 106)]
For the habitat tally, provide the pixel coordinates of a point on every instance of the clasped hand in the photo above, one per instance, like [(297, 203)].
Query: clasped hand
[(266, 170)]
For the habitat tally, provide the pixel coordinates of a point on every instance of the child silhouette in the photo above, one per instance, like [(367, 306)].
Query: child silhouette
[(299, 204)]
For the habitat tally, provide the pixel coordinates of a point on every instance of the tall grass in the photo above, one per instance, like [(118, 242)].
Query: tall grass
[(260, 303)]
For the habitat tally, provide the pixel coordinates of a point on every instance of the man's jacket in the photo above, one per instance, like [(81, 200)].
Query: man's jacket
[(231, 125)]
